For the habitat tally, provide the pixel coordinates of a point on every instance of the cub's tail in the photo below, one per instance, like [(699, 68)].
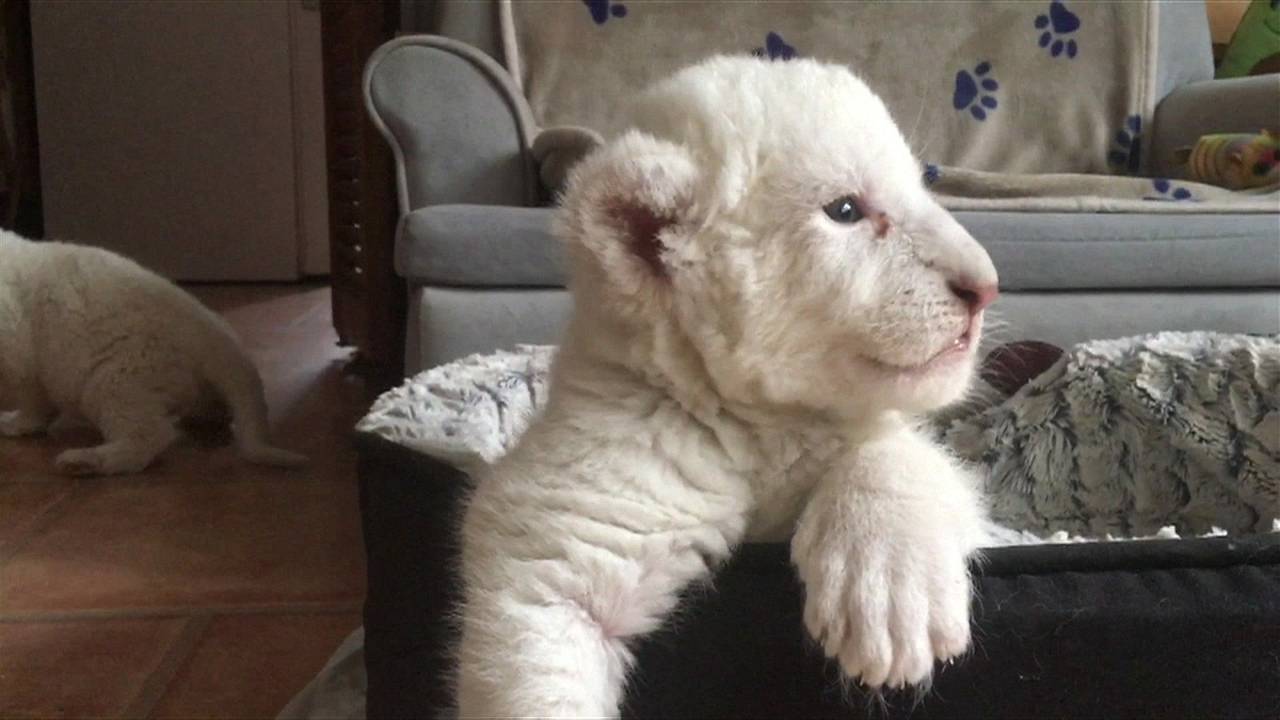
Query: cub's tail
[(231, 373)]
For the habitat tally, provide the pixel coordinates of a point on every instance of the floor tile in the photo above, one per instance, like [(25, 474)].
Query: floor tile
[(314, 403), (251, 665), (26, 460), (200, 532), (121, 544), (22, 505), (79, 668)]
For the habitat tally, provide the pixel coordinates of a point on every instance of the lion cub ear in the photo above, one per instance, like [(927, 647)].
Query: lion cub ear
[(628, 206)]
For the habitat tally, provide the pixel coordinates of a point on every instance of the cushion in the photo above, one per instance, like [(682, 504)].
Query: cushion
[(447, 323), (1073, 251), (480, 245), (492, 246)]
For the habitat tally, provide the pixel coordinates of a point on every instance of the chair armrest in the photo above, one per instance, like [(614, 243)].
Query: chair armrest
[(1235, 105), (458, 126), (556, 150)]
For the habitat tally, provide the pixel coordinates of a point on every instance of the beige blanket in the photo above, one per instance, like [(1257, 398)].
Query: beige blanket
[(557, 149), (959, 189), (1045, 104)]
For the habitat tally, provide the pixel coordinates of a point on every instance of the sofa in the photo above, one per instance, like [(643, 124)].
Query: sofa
[(1160, 628), (462, 109)]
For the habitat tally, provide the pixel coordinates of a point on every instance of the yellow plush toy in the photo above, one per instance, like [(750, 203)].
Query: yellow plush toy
[(1236, 161)]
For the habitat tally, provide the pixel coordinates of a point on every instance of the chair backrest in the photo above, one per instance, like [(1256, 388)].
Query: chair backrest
[(1014, 87), (460, 132)]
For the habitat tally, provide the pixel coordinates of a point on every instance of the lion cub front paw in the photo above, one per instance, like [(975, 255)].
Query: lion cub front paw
[(887, 607)]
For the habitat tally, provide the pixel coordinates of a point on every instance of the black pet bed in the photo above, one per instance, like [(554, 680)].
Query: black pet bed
[(1154, 628)]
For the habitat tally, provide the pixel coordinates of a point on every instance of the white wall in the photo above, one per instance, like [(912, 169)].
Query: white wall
[(170, 132), (309, 145)]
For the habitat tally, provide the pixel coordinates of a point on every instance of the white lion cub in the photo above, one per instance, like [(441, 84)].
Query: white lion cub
[(86, 333), (767, 299)]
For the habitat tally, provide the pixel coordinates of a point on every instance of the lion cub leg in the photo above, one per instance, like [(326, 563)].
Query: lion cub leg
[(133, 406), (134, 433), (547, 620)]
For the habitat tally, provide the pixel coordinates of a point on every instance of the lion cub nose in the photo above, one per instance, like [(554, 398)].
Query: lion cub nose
[(976, 297)]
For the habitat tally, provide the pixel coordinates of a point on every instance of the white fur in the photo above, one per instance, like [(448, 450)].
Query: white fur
[(88, 334), (762, 382)]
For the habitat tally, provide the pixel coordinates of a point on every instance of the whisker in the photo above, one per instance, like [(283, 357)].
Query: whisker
[(911, 136)]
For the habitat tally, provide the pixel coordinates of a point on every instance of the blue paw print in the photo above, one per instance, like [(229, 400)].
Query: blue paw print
[(1057, 24), (931, 173), (1128, 153), (967, 94), (775, 48), (602, 10), (1166, 191)]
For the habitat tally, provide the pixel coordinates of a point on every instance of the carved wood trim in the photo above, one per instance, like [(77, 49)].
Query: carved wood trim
[(368, 298)]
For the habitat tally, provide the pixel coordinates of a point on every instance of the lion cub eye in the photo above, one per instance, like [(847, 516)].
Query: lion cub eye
[(843, 210)]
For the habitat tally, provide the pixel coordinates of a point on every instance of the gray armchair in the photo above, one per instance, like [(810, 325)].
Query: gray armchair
[(484, 271)]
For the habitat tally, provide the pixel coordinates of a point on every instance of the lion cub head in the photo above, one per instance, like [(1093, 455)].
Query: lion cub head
[(767, 221)]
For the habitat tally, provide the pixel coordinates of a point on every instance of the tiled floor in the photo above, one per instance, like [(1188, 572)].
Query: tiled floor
[(205, 587)]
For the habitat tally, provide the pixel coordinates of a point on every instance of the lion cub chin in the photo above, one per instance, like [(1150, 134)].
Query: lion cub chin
[(86, 333), (766, 300)]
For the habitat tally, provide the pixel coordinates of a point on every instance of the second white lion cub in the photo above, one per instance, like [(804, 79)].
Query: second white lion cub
[(87, 333), (766, 300)]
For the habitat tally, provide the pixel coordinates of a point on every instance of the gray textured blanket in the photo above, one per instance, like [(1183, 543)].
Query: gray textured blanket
[(1125, 437), (1155, 435)]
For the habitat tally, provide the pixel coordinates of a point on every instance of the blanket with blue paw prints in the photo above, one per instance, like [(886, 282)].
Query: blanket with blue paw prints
[(1038, 105)]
